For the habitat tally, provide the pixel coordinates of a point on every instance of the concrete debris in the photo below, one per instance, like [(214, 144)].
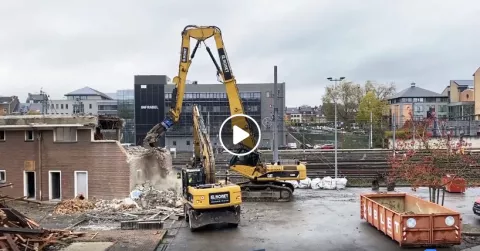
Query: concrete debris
[(151, 165), (148, 197), (116, 205)]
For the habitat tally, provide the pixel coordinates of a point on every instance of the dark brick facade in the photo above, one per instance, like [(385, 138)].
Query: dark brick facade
[(105, 162)]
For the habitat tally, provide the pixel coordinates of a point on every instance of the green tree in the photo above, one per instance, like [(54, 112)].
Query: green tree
[(347, 96), (382, 91), (371, 105)]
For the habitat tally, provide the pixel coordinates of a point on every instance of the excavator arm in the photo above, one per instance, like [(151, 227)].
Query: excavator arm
[(203, 151), (200, 34)]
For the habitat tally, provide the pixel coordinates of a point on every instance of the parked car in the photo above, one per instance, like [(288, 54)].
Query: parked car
[(327, 146), (476, 207)]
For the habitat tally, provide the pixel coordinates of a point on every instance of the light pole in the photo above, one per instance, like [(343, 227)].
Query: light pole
[(335, 80)]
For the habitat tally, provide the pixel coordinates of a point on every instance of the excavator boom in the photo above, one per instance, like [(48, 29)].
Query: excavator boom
[(203, 151), (200, 34)]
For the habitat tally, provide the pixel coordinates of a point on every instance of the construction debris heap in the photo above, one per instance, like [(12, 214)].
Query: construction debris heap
[(153, 166)]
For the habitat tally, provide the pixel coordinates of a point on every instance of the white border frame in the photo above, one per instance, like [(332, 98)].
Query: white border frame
[(50, 192), (55, 135), (25, 183), (75, 183), (33, 135)]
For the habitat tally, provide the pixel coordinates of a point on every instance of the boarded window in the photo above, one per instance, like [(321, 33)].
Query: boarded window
[(66, 134)]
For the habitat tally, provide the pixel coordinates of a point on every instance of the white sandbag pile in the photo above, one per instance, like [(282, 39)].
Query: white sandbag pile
[(294, 183), (316, 183), (341, 183), (328, 183), (304, 184)]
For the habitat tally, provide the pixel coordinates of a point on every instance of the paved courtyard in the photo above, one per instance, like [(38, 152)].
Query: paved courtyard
[(316, 220)]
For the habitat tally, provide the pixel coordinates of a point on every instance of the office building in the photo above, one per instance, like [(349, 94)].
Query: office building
[(84, 101), (213, 103), (149, 98)]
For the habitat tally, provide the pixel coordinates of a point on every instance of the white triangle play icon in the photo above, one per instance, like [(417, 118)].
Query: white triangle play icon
[(239, 135)]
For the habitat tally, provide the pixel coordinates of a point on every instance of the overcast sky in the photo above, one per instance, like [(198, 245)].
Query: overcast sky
[(62, 45)]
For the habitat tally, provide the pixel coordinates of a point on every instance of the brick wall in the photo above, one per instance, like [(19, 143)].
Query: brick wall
[(105, 162)]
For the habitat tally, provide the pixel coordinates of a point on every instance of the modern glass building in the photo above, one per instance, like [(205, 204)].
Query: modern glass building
[(215, 109), (126, 111), (153, 98), (212, 100)]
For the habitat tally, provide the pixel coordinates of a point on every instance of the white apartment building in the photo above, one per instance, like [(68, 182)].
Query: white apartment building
[(83, 101)]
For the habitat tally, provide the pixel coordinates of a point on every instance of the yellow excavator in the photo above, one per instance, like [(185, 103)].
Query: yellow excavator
[(207, 202), (266, 182)]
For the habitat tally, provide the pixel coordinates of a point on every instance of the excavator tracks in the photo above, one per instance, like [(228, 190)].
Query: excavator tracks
[(266, 192)]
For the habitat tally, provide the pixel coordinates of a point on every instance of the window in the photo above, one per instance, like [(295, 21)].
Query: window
[(65, 134), (174, 143), (29, 135), (66, 106), (89, 106), (61, 106), (52, 107), (2, 135), (143, 86), (442, 108), (3, 176), (4, 110), (188, 142), (56, 106)]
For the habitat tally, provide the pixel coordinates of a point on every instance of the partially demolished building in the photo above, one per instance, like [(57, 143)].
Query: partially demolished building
[(56, 157)]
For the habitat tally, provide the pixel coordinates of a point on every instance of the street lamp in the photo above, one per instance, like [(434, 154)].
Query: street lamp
[(335, 80)]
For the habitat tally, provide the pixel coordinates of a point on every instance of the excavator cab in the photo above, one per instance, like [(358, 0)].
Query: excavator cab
[(193, 177)]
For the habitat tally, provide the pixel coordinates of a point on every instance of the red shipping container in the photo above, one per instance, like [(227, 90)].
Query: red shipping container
[(454, 185), (410, 220)]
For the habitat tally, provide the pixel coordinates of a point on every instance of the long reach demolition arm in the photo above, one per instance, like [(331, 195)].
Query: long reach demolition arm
[(202, 33)]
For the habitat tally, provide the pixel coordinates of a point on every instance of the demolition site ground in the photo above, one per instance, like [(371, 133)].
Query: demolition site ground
[(315, 220)]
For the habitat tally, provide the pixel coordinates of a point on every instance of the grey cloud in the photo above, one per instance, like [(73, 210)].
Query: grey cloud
[(61, 46)]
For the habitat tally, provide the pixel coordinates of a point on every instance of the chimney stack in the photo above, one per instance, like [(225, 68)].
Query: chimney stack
[(413, 84)]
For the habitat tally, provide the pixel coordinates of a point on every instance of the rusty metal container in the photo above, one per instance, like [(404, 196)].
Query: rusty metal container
[(411, 221), (454, 185)]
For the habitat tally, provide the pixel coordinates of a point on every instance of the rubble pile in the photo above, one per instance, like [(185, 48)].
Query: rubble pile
[(116, 205), (148, 197), (151, 165), (18, 232), (73, 206)]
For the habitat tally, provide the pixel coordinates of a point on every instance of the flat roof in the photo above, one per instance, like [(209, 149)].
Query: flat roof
[(41, 126)]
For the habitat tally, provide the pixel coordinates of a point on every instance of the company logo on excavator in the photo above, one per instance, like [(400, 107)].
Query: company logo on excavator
[(184, 54), (226, 67), (219, 198)]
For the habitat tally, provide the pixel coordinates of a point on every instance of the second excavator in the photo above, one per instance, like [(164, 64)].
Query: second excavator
[(205, 201), (266, 182)]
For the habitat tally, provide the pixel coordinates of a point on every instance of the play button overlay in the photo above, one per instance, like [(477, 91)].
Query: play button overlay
[(233, 134), (239, 135)]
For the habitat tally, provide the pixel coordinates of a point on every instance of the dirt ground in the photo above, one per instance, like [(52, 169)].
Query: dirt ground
[(314, 217), (103, 228)]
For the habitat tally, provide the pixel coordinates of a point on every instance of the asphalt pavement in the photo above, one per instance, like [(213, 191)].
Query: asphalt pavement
[(316, 220)]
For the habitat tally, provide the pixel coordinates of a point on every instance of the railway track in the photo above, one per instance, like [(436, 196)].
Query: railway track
[(352, 163)]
